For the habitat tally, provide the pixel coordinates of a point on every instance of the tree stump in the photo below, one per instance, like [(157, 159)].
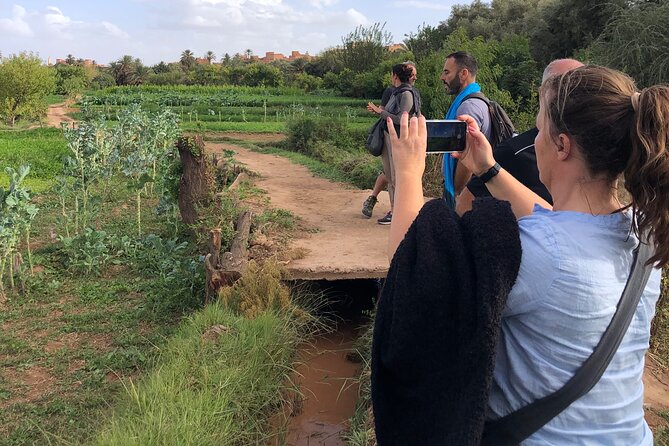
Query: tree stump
[(196, 182), (233, 263)]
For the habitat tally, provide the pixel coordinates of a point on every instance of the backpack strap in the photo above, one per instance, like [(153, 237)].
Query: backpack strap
[(477, 95), (414, 95), (517, 426)]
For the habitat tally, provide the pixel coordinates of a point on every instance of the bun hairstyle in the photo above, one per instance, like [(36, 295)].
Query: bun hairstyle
[(619, 130), (403, 71)]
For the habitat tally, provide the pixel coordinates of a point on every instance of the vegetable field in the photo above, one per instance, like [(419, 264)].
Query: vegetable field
[(252, 109)]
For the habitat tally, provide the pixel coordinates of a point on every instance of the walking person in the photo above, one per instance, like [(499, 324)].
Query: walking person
[(403, 99), (459, 78)]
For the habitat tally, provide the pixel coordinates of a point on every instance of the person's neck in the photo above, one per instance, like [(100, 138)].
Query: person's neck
[(595, 196)]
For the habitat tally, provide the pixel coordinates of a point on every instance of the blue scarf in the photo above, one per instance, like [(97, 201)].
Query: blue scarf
[(448, 166)]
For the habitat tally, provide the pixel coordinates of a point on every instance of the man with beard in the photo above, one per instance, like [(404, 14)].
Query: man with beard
[(459, 78)]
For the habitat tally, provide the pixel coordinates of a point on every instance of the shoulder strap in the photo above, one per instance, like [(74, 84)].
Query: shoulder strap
[(519, 425), (477, 95), (414, 95)]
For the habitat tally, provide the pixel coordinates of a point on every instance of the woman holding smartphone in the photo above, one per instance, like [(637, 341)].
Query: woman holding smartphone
[(594, 128)]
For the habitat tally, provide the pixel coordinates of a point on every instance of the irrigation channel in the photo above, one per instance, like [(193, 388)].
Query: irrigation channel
[(344, 255), (328, 370)]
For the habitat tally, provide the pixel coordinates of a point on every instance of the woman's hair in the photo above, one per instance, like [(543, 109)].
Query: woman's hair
[(403, 72), (619, 131)]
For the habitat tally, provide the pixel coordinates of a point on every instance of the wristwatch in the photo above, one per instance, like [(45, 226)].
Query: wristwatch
[(490, 173)]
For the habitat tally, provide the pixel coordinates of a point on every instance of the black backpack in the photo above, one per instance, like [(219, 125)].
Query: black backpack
[(502, 127)]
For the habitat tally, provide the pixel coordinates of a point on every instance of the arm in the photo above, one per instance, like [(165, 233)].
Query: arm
[(461, 177), (463, 202), (478, 158), (406, 102), (409, 160)]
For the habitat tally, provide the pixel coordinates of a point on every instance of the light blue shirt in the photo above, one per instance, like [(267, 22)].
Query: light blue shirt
[(573, 270)]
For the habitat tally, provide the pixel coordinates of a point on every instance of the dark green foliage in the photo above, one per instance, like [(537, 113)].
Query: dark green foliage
[(636, 41), (70, 79)]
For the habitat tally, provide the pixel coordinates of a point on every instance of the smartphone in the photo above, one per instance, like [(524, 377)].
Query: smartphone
[(444, 136)]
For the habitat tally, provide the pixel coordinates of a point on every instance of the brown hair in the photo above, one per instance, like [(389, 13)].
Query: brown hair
[(619, 131)]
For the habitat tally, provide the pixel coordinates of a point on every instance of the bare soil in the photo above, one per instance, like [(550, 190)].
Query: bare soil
[(338, 242), (58, 113)]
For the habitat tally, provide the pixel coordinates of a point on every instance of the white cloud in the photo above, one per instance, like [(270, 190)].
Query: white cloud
[(114, 30), (321, 3), (357, 17), (421, 5), (17, 24)]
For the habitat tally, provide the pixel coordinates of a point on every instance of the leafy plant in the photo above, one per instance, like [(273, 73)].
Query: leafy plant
[(16, 216)]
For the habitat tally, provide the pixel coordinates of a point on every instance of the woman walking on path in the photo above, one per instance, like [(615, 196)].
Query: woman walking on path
[(402, 100)]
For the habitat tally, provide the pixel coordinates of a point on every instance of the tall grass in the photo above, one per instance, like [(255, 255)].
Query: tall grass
[(224, 374)]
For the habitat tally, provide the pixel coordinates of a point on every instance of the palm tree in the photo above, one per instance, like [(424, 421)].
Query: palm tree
[(248, 53), (70, 60), (123, 70), (187, 60), (210, 56)]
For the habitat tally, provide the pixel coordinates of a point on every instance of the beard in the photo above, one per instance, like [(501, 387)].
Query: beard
[(454, 86)]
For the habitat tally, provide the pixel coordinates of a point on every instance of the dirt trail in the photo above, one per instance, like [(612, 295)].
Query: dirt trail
[(340, 243), (57, 113)]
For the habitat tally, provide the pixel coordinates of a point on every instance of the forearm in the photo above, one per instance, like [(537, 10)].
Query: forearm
[(408, 202), (461, 177), (505, 187)]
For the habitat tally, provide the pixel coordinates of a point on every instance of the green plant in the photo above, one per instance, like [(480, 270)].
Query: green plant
[(16, 216)]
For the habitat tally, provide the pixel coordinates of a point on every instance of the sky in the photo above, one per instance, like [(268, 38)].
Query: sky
[(159, 30)]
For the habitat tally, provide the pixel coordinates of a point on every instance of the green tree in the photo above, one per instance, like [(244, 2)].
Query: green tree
[(565, 26), (259, 74), (24, 86), (128, 71), (210, 56), (365, 47), (636, 42), (187, 60), (328, 61), (70, 79)]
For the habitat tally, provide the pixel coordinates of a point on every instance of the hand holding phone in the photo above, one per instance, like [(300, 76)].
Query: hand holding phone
[(446, 136)]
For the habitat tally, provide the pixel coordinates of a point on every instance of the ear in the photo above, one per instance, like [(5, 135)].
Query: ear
[(565, 147), (464, 73)]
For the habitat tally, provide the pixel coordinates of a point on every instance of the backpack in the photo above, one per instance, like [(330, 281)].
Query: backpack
[(415, 108), (374, 143), (502, 127)]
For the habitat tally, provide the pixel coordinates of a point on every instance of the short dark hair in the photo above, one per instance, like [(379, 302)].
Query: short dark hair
[(403, 71), (464, 60)]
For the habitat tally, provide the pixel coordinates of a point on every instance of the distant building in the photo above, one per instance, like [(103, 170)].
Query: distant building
[(397, 47), (271, 56)]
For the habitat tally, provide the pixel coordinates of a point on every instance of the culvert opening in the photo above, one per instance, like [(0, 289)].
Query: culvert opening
[(328, 368)]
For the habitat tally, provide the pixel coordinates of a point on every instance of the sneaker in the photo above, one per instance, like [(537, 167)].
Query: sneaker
[(368, 206), (386, 220)]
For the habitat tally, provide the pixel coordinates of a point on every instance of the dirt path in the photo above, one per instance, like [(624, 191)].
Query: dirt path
[(57, 113), (340, 242)]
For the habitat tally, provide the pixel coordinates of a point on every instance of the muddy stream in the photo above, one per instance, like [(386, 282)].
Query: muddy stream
[(328, 383), (327, 379)]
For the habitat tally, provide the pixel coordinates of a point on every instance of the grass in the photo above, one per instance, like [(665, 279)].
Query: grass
[(209, 391), (223, 375), (42, 149)]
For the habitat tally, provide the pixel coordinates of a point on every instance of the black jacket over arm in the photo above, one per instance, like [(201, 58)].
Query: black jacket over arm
[(437, 324)]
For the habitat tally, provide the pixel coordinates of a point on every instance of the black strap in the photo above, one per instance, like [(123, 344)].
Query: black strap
[(515, 427)]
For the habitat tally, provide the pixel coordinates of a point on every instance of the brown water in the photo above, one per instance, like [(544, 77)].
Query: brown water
[(327, 381)]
